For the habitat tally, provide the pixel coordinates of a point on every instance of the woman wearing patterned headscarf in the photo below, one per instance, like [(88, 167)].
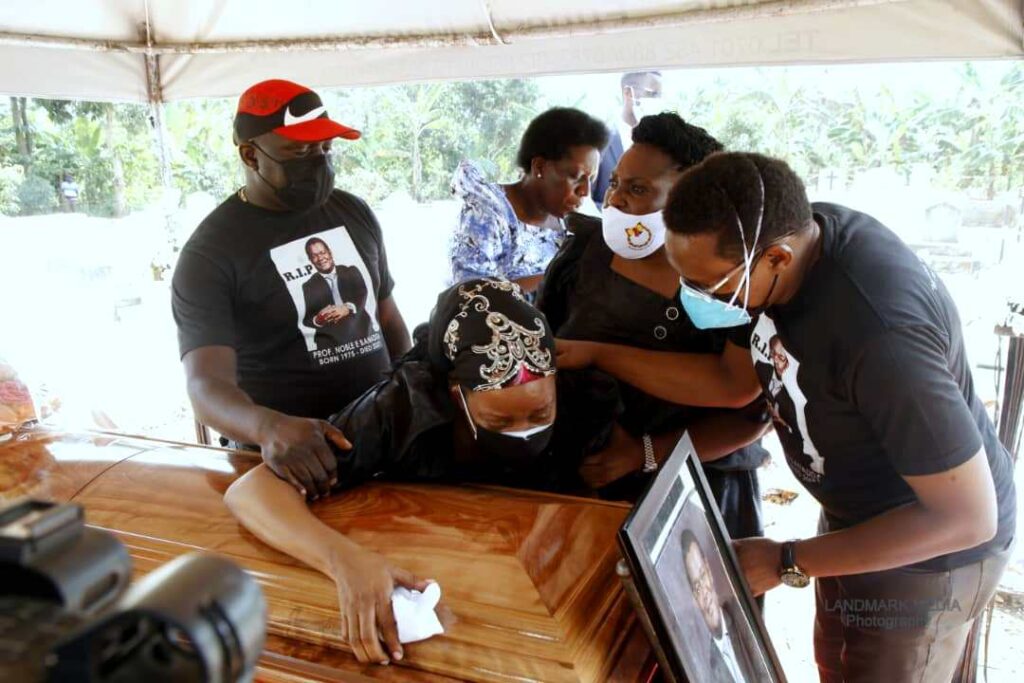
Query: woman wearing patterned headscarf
[(474, 400)]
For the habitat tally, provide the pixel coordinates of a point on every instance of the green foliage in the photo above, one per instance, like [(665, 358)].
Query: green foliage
[(414, 136), (10, 181), (36, 195), (106, 148), (203, 156), (974, 139)]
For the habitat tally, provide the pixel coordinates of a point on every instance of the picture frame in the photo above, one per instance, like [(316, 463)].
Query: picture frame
[(687, 585)]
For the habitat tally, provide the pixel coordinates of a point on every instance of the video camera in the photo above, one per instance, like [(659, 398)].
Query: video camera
[(68, 614)]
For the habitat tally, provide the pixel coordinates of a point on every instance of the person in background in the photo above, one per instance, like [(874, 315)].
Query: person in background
[(69, 192), (641, 96), (611, 282), (253, 368), (512, 231), (477, 399), (917, 493)]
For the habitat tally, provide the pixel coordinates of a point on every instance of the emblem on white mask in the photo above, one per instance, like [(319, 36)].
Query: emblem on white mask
[(630, 236)]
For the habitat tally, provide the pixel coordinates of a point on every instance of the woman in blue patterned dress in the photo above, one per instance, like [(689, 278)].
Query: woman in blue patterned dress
[(512, 231)]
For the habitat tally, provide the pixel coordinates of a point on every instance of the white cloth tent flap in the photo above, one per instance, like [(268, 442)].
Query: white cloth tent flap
[(96, 49)]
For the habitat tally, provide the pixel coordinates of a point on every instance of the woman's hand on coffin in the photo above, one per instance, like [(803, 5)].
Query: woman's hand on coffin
[(623, 455), (365, 583), (572, 355), (760, 559), (296, 449)]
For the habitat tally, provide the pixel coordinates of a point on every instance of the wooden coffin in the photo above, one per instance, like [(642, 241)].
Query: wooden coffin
[(528, 580)]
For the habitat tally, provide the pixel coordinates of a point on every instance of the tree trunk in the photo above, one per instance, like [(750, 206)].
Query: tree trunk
[(25, 127), (21, 132), (417, 167), (120, 206)]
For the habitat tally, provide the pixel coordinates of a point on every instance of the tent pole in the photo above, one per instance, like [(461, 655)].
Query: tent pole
[(154, 94), (156, 108)]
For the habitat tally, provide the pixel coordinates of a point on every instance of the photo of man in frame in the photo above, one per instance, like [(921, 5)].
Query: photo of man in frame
[(681, 573), (702, 600)]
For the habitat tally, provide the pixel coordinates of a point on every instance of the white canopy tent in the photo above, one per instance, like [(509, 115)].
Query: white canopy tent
[(158, 50)]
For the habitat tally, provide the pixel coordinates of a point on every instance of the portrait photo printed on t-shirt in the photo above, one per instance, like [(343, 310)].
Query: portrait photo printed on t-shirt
[(335, 305), (777, 369)]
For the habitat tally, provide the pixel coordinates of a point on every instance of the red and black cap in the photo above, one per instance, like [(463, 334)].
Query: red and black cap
[(288, 109)]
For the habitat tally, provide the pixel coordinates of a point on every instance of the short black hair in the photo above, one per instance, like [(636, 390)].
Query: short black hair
[(313, 240), (685, 143), (688, 539), (723, 195), (634, 77), (551, 134)]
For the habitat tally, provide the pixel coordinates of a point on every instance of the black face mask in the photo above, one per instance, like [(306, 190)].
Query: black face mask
[(510, 448), (514, 450), (310, 180)]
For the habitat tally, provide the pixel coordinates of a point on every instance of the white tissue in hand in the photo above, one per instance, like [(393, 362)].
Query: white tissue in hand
[(414, 613)]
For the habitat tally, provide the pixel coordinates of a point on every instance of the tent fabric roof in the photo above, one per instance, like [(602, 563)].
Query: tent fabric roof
[(97, 49)]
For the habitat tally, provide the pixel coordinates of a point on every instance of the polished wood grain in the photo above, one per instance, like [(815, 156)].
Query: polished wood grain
[(528, 581), (55, 466)]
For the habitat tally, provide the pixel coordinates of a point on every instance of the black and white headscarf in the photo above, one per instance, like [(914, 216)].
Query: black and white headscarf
[(485, 335)]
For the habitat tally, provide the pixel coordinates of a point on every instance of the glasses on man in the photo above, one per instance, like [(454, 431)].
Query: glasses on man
[(712, 291)]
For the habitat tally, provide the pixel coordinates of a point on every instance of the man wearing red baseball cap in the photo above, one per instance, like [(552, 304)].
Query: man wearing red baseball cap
[(282, 295)]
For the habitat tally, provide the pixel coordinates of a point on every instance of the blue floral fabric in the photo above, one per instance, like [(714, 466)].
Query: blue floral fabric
[(490, 241)]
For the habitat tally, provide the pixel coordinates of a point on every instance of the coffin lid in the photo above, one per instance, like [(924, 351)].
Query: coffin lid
[(529, 589)]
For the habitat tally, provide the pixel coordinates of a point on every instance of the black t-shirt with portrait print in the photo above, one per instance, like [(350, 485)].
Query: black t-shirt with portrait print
[(868, 378), (245, 279)]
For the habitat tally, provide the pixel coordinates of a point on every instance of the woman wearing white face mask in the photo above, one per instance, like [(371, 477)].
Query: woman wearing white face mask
[(612, 283)]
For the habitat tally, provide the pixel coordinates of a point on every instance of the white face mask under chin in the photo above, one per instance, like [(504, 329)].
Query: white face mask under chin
[(631, 236), (646, 106), (527, 433)]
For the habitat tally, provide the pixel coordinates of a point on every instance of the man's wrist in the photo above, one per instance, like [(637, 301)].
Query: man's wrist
[(266, 422), (801, 551), (791, 571), (809, 559)]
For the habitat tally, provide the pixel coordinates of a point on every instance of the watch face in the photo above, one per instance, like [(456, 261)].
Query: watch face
[(795, 579)]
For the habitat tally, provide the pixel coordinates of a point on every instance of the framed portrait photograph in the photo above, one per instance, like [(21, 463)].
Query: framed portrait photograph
[(683, 576)]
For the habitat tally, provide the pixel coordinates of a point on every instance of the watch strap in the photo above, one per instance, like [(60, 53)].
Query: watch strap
[(650, 462), (789, 555)]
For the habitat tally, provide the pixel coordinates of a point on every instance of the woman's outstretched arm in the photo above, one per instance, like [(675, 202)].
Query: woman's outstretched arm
[(279, 516)]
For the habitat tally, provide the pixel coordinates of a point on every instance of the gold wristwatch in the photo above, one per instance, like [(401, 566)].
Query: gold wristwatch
[(790, 573)]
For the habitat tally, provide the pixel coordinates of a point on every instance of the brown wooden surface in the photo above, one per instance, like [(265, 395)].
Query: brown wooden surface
[(528, 581), (57, 466)]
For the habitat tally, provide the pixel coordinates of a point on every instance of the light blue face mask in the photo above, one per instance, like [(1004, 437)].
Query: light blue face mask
[(705, 311)]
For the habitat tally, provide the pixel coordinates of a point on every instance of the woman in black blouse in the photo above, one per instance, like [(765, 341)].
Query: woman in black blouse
[(474, 400), (611, 282)]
